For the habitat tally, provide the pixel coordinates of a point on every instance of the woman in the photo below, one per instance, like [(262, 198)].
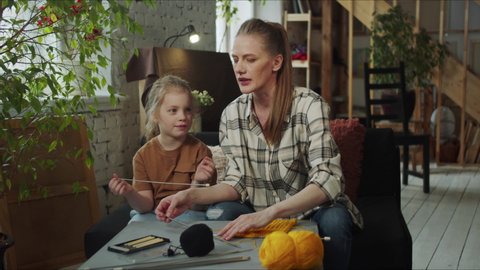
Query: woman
[(282, 160)]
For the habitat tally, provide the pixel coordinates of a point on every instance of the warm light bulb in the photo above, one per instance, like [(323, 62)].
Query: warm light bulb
[(194, 38)]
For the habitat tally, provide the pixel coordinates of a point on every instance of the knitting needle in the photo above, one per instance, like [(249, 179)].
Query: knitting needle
[(214, 236), (167, 183), (180, 263)]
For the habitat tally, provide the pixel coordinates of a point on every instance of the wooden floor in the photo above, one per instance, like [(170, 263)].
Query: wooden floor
[(445, 224)]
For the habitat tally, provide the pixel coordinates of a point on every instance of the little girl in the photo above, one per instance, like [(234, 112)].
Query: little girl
[(170, 154)]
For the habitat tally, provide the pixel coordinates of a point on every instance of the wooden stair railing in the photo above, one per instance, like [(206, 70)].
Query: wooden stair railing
[(452, 80), (452, 75)]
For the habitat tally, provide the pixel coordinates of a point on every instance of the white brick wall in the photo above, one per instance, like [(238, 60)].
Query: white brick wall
[(116, 131)]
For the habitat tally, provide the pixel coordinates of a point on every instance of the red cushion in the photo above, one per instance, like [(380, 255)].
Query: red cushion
[(349, 136)]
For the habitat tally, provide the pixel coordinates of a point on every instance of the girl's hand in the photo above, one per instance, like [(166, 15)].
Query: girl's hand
[(205, 170), (244, 223), (118, 186)]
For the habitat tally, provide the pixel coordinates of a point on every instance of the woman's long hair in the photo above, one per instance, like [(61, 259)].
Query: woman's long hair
[(276, 42)]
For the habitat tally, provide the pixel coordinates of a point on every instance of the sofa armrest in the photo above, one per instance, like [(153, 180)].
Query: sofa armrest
[(104, 230), (381, 165)]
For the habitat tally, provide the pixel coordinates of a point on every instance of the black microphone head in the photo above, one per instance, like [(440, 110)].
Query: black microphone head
[(197, 240)]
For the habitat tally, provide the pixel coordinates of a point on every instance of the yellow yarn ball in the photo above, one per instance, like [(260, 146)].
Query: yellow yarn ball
[(277, 251), (309, 249)]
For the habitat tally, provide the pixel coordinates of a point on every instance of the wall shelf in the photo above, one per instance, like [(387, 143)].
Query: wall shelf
[(299, 28)]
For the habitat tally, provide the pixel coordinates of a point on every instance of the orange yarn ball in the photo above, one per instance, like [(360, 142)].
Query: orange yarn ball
[(309, 249), (295, 250), (277, 251)]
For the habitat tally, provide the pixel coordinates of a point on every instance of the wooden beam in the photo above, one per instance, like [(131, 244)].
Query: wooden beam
[(417, 117), (350, 60), (343, 70), (452, 80), (327, 51), (464, 82), (439, 83), (364, 10)]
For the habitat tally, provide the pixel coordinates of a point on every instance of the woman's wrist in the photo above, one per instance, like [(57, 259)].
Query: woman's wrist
[(274, 211), (189, 195)]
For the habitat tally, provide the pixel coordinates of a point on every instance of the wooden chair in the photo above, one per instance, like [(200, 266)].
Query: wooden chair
[(382, 107)]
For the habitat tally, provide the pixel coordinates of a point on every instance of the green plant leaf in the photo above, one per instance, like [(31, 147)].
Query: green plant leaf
[(89, 160), (52, 146), (50, 60)]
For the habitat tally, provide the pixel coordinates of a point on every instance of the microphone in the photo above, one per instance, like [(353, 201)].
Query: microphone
[(197, 240)]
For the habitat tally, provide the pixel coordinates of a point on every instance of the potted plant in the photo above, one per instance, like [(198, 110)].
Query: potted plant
[(203, 99), (51, 55), (394, 40)]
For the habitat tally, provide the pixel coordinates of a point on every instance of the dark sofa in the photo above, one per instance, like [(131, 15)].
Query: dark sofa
[(384, 243)]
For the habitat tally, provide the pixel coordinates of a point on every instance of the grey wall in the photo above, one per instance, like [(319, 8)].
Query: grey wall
[(117, 131)]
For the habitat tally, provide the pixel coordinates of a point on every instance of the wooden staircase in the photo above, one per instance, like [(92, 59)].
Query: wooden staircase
[(452, 75), (455, 81)]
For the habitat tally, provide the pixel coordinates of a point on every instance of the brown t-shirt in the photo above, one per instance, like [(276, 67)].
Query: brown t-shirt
[(153, 163)]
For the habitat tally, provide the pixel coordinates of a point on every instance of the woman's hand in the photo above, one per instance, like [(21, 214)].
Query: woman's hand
[(118, 186), (172, 206), (244, 223), (205, 170)]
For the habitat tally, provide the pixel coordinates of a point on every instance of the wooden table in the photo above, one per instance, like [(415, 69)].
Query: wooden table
[(245, 256)]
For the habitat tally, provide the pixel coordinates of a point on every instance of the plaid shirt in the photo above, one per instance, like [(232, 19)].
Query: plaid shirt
[(307, 154)]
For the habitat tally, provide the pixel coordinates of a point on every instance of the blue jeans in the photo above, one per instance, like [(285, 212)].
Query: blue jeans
[(333, 221)]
